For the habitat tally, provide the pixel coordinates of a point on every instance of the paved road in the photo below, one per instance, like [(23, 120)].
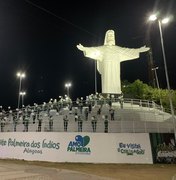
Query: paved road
[(11, 171)]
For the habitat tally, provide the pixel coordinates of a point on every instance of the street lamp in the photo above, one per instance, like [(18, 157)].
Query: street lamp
[(68, 85), (22, 94), (156, 76), (21, 76), (164, 21), (157, 83)]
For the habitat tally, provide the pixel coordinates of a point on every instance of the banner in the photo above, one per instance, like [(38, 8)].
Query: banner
[(77, 147), (163, 147)]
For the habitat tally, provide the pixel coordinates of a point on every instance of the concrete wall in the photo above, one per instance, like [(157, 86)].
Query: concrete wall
[(77, 147)]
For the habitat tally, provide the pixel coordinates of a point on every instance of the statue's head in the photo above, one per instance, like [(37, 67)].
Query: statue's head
[(109, 38)]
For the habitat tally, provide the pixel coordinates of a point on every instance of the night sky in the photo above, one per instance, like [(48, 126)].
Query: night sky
[(39, 37)]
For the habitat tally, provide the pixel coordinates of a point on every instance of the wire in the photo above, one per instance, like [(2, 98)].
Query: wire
[(58, 17)]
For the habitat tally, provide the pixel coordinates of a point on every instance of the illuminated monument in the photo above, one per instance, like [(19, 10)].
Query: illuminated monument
[(108, 57)]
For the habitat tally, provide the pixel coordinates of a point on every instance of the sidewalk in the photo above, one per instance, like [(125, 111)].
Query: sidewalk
[(11, 171)]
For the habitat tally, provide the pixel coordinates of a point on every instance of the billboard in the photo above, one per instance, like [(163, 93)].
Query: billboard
[(77, 147)]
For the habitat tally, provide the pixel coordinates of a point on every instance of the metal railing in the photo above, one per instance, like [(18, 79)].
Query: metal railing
[(36, 118)]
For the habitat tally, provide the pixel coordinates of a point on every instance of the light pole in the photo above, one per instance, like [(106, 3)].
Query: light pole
[(157, 83), (22, 94), (68, 85), (156, 77), (164, 21), (95, 77), (21, 76)]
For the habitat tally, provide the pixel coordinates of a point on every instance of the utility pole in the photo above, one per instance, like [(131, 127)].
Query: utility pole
[(151, 74), (150, 62)]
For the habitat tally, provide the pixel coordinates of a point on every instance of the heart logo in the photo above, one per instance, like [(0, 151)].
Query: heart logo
[(86, 140)]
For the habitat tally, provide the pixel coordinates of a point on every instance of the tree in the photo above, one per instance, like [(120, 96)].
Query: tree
[(140, 90), (137, 89)]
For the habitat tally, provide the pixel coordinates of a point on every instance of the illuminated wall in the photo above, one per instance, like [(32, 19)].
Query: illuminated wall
[(77, 147)]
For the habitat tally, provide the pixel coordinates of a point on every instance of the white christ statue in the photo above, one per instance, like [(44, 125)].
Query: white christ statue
[(108, 58)]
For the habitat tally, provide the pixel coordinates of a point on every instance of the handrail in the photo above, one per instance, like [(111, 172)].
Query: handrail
[(62, 103)]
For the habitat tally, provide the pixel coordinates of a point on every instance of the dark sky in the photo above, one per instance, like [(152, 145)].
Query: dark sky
[(40, 38)]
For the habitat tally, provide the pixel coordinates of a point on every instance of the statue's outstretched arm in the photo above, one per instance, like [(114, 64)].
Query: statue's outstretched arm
[(144, 49), (131, 53), (91, 52), (80, 47)]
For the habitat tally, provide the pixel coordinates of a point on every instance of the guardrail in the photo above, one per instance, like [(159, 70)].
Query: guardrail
[(29, 114)]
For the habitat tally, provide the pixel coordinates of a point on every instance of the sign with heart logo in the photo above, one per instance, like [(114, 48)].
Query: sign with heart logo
[(79, 145), (83, 141)]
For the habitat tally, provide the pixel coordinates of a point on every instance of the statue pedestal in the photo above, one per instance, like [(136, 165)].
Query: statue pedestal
[(116, 96)]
